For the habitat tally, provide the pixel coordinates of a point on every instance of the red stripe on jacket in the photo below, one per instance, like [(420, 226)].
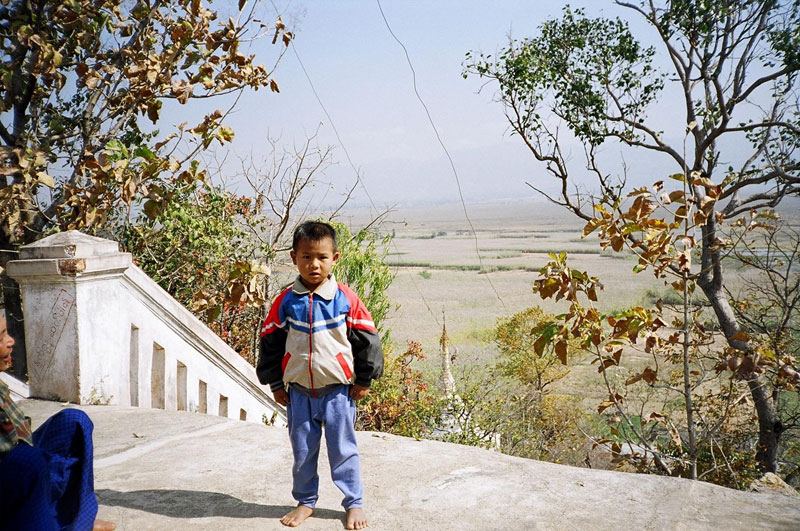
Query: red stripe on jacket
[(358, 316), (273, 320)]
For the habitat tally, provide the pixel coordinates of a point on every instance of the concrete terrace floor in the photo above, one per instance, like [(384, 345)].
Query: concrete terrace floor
[(176, 470)]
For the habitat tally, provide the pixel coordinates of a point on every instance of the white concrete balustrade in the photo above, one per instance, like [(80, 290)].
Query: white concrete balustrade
[(100, 331)]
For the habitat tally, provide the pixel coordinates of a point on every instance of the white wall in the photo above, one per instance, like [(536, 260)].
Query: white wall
[(98, 330)]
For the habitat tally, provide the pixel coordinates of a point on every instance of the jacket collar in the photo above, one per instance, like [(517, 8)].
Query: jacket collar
[(326, 290)]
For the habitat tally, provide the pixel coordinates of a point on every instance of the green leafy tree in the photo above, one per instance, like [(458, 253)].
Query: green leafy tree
[(542, 424), (509, 405), (79, 81), (733, 66), (523, 356), (362, 266), (199, 249)]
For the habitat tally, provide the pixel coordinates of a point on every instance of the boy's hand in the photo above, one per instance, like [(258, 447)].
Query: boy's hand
[(281, 397), (357, 392)]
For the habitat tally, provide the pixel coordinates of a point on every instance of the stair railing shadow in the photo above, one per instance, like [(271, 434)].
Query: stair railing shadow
[(198, 504)]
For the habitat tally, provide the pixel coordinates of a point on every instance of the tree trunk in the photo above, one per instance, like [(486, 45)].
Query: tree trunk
[(769, 424)]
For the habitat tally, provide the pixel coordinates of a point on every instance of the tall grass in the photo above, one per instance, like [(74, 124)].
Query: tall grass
[(542, 251), (520, 236), (465, 267), (673, 298)]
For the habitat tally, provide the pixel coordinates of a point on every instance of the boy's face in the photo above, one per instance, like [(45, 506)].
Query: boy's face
[(314, 261), (6, 346)]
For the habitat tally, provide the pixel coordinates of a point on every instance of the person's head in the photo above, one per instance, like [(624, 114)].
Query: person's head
[(6, 345), (314, 252), (315, 231)]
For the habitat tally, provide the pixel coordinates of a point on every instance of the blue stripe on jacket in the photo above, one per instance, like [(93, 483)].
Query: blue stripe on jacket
[(318, 326)]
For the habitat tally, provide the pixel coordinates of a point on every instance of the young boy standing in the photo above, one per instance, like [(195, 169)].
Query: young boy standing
[(320, 352)]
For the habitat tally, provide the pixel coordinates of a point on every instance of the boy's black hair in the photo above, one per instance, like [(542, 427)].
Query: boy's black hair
[(314, 231)]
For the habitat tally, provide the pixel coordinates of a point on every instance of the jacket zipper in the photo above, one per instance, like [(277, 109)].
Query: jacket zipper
[(310, 345)]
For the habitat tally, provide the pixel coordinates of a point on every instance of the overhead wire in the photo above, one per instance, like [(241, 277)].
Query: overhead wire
[(447, 153), (353, 166), (333, 126)]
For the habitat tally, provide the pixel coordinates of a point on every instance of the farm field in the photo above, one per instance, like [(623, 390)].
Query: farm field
[(512, 244), (438, 266)]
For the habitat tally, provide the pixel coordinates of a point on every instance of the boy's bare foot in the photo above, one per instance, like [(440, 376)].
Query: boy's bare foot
[(297, 516), (356, 519), (103, 525)]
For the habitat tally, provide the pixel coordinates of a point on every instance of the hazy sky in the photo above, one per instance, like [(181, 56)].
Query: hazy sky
[(362, 77)]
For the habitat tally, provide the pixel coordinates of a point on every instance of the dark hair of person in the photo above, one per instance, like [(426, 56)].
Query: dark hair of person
[(314, 231)]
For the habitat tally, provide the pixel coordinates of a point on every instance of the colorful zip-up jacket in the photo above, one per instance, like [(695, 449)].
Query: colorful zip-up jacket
[(318, 339)]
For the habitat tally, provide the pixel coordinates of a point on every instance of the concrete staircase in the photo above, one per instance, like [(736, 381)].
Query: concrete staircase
[(100, 331), (166, 470)]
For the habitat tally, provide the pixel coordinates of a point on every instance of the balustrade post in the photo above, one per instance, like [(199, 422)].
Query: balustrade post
[(76, 326)]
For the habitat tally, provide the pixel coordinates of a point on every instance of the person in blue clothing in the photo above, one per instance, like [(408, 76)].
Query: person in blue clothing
[(319, 353), (46, 476)]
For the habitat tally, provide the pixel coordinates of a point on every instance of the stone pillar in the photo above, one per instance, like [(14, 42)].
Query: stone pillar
[(74, 320)]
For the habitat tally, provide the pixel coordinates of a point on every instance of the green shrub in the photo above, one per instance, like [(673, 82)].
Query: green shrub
[(362, 266), (399, 402)]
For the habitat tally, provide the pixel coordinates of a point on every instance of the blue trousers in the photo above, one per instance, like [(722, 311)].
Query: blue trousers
[(307, 415), (50, 486)]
